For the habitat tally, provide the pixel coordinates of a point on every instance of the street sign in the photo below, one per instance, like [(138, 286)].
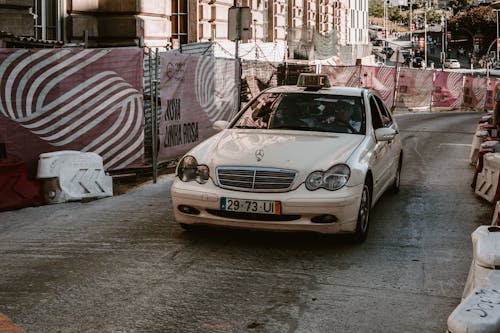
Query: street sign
[(238, 23)]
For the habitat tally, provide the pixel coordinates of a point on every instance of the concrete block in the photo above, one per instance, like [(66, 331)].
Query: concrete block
[(487, 179), (72, 176), (80, 23), (156, 27), (478, 313), (485, 260), (85, 5), (476, 144), (121, 27)]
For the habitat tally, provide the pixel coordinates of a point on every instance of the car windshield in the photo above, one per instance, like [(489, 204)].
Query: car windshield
[(305, 112)]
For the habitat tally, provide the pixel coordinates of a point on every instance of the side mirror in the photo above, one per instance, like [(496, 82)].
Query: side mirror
[(385, 134), (219, 125)]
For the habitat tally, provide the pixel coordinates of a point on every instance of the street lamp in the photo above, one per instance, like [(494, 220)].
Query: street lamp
[(255, 38), (411, 28), (385, 29), (496, 7), (425, 35), (443, 42), (496, 11)]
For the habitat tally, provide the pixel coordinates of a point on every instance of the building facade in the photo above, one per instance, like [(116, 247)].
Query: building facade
[(171, 23)]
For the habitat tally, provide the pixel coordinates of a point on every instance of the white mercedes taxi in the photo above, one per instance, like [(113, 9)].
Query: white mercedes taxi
[(308, 157)]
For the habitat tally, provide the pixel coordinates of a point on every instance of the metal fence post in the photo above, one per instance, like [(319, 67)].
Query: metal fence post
[(154, 118)]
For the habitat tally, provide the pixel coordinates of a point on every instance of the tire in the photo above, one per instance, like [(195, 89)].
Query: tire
[(397, 182), (365, 208), (189, 227)]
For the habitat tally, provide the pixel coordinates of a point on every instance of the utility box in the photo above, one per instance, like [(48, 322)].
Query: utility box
[(72, 176)]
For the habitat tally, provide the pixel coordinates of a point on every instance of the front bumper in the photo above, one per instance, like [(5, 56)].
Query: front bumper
[(299, 208)]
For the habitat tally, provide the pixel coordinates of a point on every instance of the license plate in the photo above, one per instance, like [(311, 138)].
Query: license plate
[(250, 206)]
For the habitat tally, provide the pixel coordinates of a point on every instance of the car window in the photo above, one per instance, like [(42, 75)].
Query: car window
[(258, 112), (306, 112), (376, 117), (386, 115)]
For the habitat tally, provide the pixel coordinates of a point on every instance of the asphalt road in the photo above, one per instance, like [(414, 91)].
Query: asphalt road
[(122, 264)]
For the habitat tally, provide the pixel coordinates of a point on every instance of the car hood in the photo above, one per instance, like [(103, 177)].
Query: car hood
[(307, 151)]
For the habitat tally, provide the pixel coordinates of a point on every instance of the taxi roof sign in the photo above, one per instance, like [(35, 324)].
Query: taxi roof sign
[(313, 81)]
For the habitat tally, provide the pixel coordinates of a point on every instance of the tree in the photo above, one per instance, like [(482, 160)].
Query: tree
[(394, 15), (459, 5), (376, 8), (476, 22)]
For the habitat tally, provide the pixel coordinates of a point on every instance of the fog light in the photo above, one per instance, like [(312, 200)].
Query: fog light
[(188, 210), (52, 194), (327, 218)]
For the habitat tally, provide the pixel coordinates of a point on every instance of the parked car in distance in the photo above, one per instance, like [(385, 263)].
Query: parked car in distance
[(406, 58), (495, 71), (451, 63), (388, 51), (418, 62), (307, 157)]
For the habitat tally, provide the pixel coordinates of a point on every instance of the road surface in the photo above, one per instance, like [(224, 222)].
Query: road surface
[(122, 264)]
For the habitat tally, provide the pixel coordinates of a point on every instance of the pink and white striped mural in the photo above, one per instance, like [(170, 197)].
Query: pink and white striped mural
[(475, 93), (348, 76), (415, 88), (63, 99), (448, 91), (382, 80)]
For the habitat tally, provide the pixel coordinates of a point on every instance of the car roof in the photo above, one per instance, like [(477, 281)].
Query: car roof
[(335, 90)]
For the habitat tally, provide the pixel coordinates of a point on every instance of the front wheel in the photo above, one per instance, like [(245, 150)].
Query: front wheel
[(363, 215), (397, 180)]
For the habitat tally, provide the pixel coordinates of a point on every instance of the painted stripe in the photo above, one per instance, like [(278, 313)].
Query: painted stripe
[(71, 110)]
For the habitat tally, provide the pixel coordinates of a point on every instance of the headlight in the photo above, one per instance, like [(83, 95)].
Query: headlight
[(332, 179), (189, 170)]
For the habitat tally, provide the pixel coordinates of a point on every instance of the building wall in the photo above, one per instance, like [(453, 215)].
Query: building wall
[(357, 22), (15, 17), (120, 23), (159, 23)]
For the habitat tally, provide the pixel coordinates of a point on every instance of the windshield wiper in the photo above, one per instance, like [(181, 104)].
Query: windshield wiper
[(301, 128), (244, 126)]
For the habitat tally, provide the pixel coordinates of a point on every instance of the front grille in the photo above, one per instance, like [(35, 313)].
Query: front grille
[(255, 179), (253, 216)]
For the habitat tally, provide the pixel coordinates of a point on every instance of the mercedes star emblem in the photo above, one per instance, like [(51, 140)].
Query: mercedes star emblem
[(259, 154)]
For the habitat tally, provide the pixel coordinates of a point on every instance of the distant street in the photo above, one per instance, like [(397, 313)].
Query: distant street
[(433, 54), (122, 264)]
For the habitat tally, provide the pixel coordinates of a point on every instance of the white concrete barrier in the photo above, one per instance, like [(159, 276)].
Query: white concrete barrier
[(495, 145), (485, 260), (476, 144), (72, 176), (478, 313), (479, 310), (487, 179), (486, 119), (495, 219)]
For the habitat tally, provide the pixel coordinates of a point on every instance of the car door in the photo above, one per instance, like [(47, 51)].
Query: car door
[(383, 164)]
